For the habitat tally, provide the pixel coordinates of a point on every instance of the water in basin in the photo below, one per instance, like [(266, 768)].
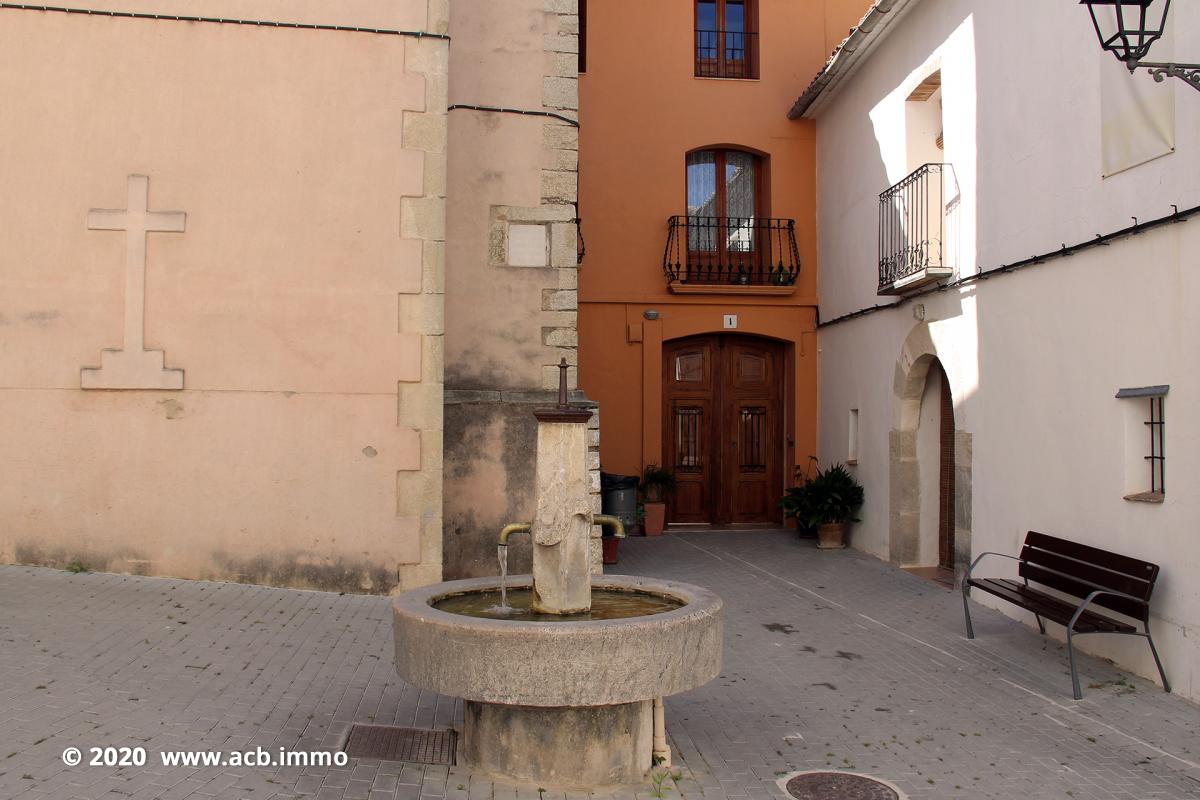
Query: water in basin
[(606, 604)]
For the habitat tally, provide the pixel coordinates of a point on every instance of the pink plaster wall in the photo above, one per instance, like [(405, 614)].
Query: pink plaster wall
[(279, 461)]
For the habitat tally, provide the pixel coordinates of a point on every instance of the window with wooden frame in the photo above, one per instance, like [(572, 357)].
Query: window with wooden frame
[(724, 205), (726, 39)]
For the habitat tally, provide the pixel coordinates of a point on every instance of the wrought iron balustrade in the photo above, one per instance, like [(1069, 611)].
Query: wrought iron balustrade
[(726, 54), (912, 230), (580, 246), (737, 251)]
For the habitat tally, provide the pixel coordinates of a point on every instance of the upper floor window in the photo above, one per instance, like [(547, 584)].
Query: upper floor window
[(726, 39), (723, 183), (726, 237)]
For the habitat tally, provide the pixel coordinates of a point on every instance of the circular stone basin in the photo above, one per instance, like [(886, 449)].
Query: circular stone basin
[(571, 663), (606, 604)]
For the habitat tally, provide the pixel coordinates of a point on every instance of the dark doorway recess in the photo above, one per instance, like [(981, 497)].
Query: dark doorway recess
[(723, 428), (945, 470)]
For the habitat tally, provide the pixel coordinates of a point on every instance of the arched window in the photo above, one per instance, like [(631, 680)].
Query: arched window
[(727, 236), (723, 200), (723, 183)]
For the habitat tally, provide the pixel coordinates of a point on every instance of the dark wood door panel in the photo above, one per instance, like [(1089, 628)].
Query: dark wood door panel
[(689, 427), (723, 428), (690, 458)]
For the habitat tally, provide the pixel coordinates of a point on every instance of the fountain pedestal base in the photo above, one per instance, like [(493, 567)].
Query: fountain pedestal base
[(567, 748)]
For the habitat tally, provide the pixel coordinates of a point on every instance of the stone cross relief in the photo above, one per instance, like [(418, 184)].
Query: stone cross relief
[(133, 366)]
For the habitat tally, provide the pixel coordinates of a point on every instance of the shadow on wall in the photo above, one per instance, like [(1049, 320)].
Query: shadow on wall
[(490, 452), (928, 117)]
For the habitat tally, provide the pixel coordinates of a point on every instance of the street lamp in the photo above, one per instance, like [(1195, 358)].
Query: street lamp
[(1132, 29)]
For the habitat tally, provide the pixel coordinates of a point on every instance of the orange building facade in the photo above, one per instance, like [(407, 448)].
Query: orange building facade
[(697, 293)]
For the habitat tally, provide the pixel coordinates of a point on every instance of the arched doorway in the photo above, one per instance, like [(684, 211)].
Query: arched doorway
[(936, 460), (930, 463), (723, 428)]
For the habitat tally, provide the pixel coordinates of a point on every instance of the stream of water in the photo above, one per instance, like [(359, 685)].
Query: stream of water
[(502, 555)]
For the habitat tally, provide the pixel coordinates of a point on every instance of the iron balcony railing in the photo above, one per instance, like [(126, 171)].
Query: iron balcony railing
[(580, 246), (726, 54), (739, 251), (912, 226)]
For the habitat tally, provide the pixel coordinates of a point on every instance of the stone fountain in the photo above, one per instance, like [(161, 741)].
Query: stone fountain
[(563, 688)]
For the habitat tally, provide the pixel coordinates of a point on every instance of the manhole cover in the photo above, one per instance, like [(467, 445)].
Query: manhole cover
[(392, 743), (838, 786)]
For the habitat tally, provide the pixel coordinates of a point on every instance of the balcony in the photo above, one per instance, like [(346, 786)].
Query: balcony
[(912, 230), (731, 255), (726, 54)]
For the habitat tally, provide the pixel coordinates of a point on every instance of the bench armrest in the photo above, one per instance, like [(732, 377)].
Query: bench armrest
[(979, 558), (1093, 595)]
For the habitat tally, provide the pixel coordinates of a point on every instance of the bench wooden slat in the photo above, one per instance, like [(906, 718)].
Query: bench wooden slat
[(1081, 589), (1093, 575), (1094, 555), (1052, 608), (1079, 570)]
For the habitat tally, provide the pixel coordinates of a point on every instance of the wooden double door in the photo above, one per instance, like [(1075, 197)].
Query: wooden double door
[(723, 428)]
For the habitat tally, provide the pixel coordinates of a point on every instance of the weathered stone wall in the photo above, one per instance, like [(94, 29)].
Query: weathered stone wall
[(267, 401), (511, 264)]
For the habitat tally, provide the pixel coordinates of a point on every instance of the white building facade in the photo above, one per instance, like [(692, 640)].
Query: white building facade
[(1034, 254)]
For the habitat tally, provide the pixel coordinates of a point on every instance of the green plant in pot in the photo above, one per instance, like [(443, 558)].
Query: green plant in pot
[(796, 506), (829, 502), (657, 483), (795, 503)]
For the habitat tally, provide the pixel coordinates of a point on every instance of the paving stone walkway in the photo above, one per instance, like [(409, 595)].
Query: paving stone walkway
[(833, 661)]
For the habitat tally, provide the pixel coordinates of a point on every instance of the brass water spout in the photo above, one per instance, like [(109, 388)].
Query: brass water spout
[(510, 529), (611, 522)]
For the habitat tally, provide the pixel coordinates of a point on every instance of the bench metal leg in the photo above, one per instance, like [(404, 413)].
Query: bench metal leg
[(967, 608), (1074, 672), (1041, 624), (1157, 661)]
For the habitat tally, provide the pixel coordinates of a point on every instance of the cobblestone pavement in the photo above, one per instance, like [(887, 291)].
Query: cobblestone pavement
[(833, 661)]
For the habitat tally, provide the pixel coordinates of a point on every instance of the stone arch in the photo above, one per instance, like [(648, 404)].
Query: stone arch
[(917, 355)]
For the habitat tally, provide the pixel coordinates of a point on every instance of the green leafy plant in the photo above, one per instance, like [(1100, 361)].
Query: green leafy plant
[(831, 495), (795, 502), (659, 775), (657, 483), (76, 566), (781, 277)]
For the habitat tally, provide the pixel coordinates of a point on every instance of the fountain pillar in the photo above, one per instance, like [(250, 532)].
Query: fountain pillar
[(562, 525)]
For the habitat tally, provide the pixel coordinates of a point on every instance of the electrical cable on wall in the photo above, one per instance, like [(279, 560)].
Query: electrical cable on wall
[(522, 111), (220, 20), (1101, 240)]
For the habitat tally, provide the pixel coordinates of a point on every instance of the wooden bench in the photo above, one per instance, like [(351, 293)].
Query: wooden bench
[(1090, 576)]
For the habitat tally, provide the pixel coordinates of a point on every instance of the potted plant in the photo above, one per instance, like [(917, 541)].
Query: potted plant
[(657, 483), (829, 502), (795, 504)]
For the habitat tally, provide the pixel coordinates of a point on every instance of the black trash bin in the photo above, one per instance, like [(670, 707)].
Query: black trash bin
[(618, 498)]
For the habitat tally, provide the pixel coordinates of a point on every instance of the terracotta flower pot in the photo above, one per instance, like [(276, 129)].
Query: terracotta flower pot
[(656, 518), (832, 536), (609, 547)]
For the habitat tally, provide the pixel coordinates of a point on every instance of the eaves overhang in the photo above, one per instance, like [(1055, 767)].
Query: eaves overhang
[(880, 18)]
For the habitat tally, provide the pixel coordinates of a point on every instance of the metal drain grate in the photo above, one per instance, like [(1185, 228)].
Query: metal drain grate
[(839, 786), (393, 743)]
